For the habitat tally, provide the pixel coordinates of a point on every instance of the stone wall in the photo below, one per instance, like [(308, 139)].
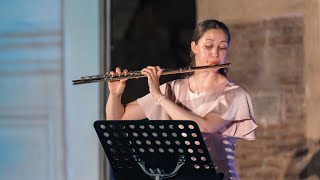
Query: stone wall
[(267, 58)]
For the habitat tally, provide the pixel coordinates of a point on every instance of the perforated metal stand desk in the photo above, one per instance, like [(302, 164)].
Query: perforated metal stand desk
[(155, 149)]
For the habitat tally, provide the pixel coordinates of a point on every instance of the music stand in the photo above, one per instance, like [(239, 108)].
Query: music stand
[(155, 149)]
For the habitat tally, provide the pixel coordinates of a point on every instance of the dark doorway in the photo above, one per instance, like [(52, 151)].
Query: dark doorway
[(150, 32)]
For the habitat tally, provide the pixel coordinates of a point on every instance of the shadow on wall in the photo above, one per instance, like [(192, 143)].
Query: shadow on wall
[(312, 168), (304, 165)]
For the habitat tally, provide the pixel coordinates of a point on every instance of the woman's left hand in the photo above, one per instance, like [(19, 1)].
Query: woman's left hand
[(153, 74)]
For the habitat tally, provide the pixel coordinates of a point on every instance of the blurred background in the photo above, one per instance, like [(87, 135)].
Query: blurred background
[(46, 123)]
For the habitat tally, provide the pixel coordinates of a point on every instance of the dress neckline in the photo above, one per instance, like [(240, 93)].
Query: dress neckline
[(205, 92)]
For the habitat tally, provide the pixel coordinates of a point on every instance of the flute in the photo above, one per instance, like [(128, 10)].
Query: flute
[(137, 74)]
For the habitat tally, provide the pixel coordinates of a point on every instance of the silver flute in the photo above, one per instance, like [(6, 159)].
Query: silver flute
[(137, 74)]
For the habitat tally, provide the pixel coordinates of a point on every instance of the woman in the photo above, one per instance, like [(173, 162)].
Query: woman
[(223, 110)]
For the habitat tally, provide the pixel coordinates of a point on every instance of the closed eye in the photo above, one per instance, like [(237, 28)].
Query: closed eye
[(223, 48)]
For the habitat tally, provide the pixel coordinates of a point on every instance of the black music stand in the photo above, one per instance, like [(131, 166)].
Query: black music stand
[(155, 149)]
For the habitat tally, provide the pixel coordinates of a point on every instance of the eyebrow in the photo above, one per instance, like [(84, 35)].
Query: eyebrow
[(213, 40)]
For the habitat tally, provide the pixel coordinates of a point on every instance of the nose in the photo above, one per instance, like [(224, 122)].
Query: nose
[(215, 52)]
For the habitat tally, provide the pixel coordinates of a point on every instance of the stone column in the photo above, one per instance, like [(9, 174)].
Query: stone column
[(312, 68)]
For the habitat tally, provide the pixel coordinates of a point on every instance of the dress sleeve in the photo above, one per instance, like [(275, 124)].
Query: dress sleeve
[(236, 106)]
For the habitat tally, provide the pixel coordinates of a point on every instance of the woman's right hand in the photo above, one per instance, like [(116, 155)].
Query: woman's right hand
[(117, 87)]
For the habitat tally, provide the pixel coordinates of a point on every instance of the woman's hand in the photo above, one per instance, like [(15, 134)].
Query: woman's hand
[(153, 74), (116, 88)]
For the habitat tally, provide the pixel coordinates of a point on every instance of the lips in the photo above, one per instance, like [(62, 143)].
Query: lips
[(214, 62)]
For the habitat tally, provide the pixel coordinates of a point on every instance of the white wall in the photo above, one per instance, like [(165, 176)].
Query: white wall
[(31, 92), (81, 40), (46, 123)]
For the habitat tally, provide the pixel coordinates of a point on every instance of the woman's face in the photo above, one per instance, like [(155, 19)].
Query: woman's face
[(211, 48)]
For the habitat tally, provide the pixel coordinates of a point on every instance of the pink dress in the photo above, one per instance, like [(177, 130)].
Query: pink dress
[(228, 101)]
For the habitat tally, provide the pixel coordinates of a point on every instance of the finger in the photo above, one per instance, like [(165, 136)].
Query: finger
[(153, 68), (118, 71), (146, 70), (153, 72), (153, 80), (111, 73), (159, 71), (125, 72), (110, 76), (149, 73)]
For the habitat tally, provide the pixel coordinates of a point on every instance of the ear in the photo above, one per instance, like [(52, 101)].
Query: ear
[(194, 47)]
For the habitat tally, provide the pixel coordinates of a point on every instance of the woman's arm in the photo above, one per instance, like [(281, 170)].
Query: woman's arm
[(117, 111), (209, 123)]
